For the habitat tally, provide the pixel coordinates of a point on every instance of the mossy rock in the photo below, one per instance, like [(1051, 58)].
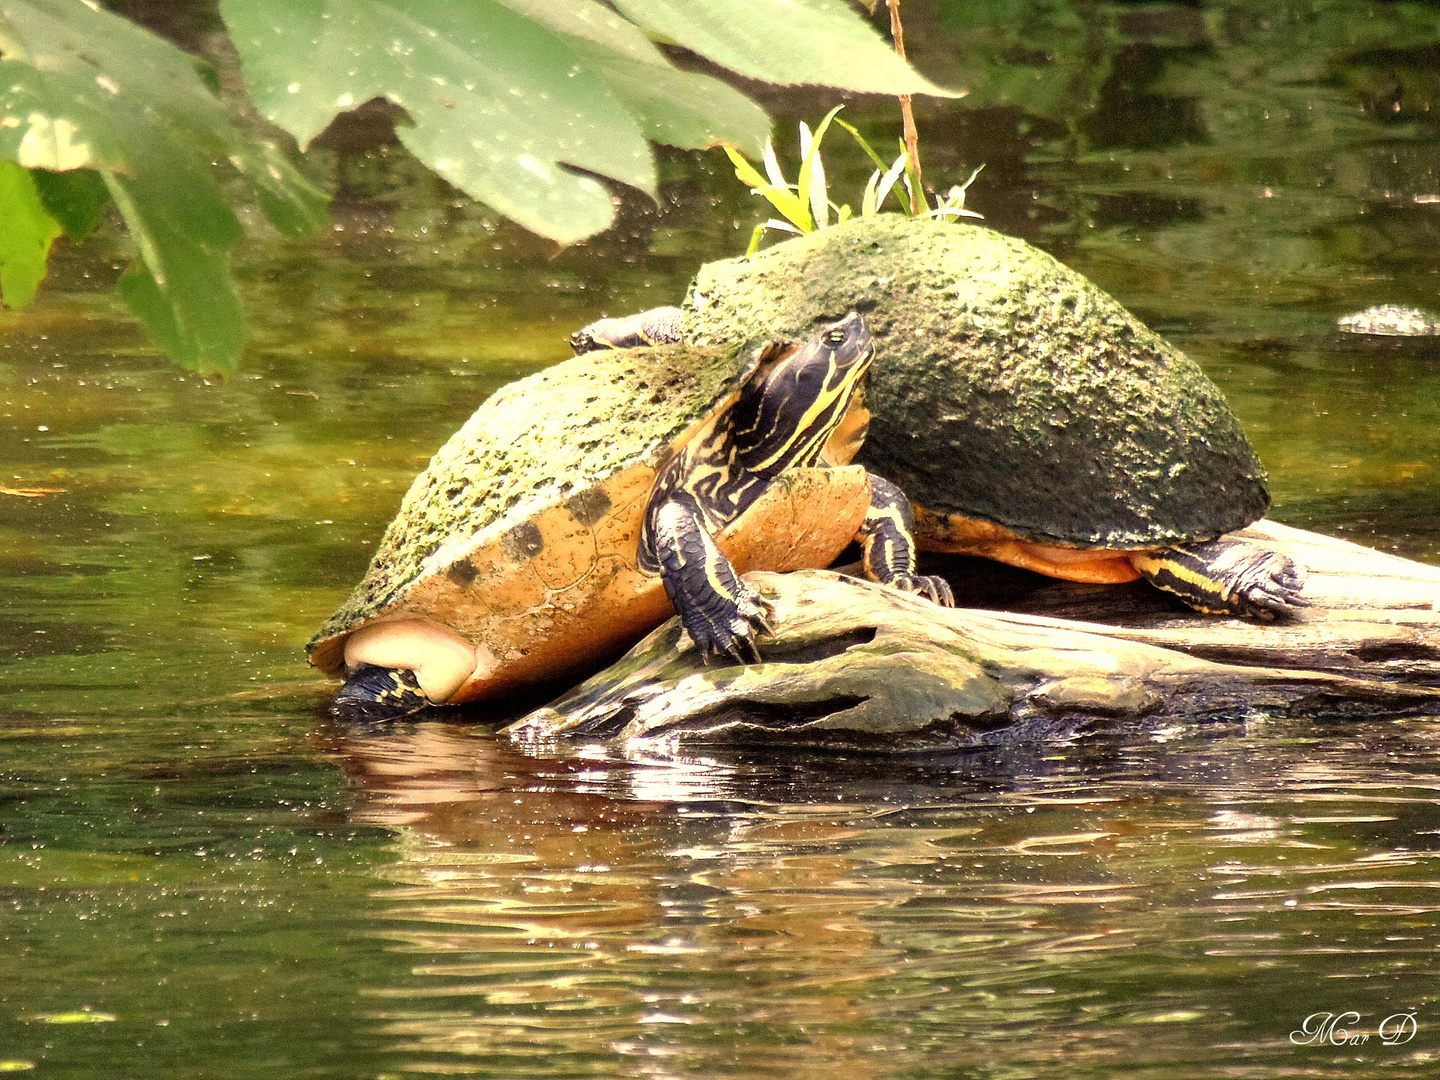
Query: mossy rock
[(1006, 388)]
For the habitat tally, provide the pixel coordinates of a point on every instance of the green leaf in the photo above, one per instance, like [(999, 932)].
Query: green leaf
[(25, 237), (181, 287), (294, 205), (864, 144), (919, 205), (772, 165), (869, 205), (746, 173), (75, 199), (887, 182), (499, 101), (784, 41), (776, 194), (680, 108), (595, 23), (83, 89), (811, 184)]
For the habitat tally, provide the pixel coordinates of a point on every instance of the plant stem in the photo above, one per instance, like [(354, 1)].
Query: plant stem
[(907, 114)]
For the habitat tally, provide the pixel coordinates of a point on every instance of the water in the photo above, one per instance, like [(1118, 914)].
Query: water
[(200, 876)]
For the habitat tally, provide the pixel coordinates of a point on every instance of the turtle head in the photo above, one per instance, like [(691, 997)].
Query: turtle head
[(658, 326), (848, 347), (797, 397)]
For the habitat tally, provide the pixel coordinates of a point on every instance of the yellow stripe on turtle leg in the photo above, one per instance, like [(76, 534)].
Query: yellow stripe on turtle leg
[(1228, 577), (887, 539)]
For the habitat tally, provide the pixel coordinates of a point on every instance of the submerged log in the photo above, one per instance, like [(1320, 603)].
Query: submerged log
[(853, 663)]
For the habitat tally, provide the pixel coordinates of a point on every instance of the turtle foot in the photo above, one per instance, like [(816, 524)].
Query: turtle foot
[(1271, 589), (933, 586), (657, 326), (726, 626), (887, 538), (1229, 577), (372, 694)]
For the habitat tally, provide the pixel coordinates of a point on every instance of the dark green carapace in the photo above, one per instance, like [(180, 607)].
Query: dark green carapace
[(1054, 411)]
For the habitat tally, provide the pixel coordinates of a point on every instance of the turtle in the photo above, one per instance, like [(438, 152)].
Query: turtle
[(1028, 415), (577, 507)]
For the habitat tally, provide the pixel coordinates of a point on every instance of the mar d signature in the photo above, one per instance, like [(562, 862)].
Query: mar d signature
[(1332, 1029)]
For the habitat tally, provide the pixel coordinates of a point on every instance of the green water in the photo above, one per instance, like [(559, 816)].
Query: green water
[(200, 876)]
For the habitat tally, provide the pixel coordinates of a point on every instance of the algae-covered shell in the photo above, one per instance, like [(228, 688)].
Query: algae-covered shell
[(1007, 388), (518, 542)]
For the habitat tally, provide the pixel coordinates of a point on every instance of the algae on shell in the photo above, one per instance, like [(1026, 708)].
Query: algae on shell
[(545, 441), (1006, 387)]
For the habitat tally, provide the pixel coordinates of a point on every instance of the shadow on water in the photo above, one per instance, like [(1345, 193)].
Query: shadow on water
[(199, 876)]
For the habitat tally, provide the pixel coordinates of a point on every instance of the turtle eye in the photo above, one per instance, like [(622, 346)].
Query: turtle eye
[(834, 337)]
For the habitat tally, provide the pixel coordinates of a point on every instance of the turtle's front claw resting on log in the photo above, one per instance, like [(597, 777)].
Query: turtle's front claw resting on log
[(887, 539), (932, 586), (721, 613), (728, 625)]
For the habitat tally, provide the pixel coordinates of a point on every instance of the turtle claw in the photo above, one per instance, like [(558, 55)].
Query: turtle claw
[(728, 626), (742, 649), (1228, 577), (1276, 590), (932, 586)]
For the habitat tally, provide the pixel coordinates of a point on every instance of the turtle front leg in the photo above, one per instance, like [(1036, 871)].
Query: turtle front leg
[(887, 538), (720, 612), (1228, 577)]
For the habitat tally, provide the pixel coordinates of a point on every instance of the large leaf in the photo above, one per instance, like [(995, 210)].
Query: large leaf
[(83, 89), (75, 199), (499, 101), (593, 22), (680, 108), (26, 232), (784, 41), (503, 94), (181, 287)]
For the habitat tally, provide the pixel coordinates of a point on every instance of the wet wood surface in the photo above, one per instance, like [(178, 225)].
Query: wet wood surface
[(853, 663)]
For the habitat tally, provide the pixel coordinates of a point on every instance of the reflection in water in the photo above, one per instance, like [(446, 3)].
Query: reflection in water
[(1151, 903)]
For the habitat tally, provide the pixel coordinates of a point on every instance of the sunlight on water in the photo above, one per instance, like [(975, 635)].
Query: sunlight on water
[(1010, 910)]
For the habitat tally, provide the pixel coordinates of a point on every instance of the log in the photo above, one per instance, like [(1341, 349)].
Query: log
[(1373, 615), (856, 664)]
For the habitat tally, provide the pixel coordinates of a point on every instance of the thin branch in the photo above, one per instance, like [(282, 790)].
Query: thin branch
[(907, 113)]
